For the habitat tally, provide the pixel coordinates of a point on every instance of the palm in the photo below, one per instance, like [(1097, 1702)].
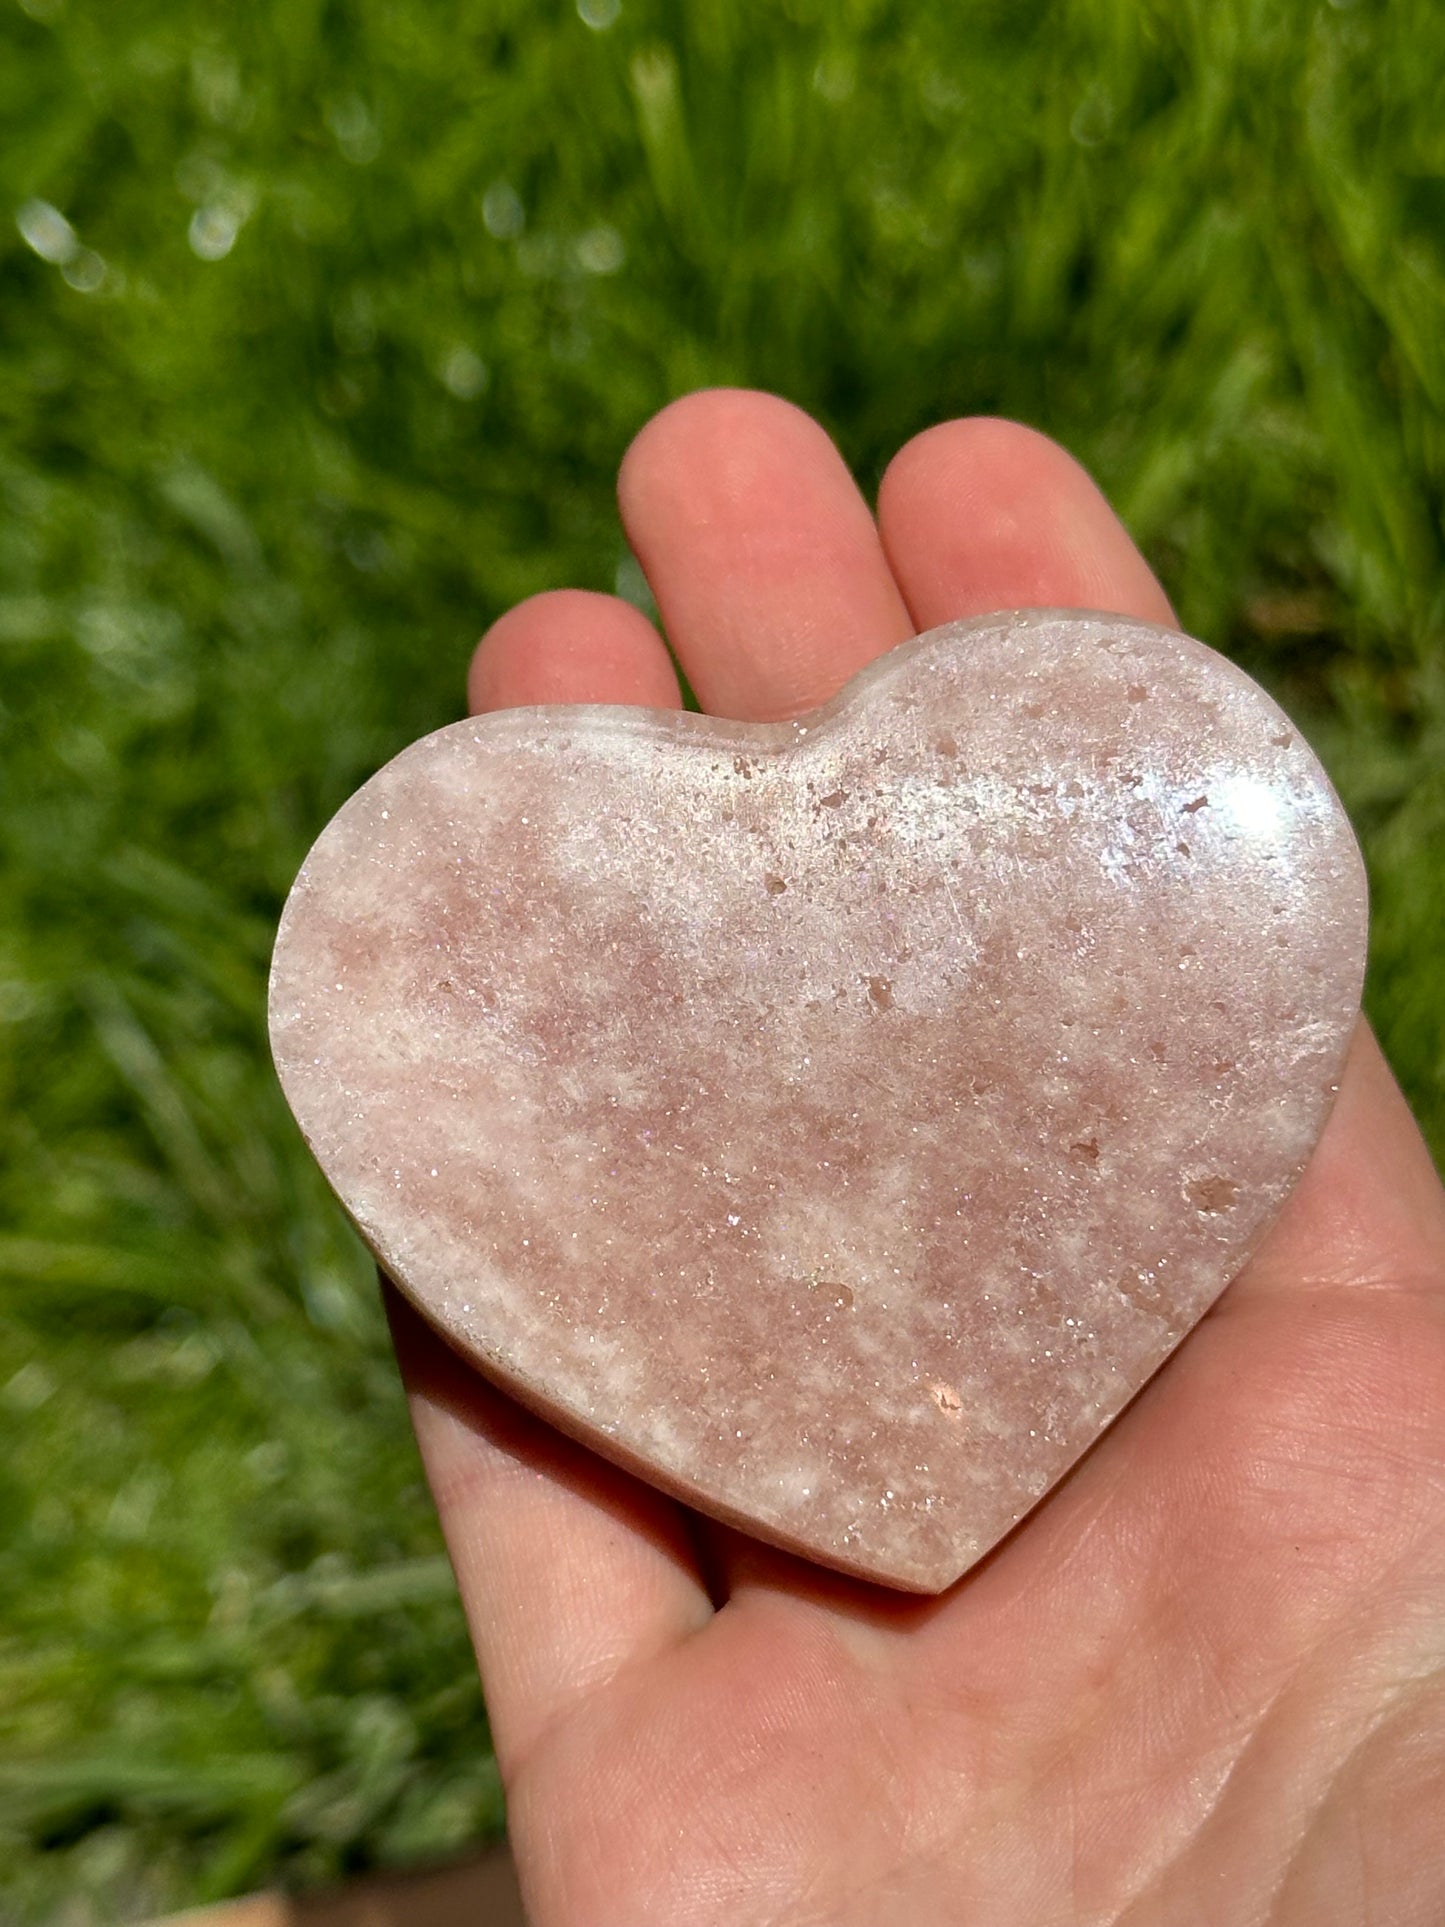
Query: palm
[(1204, 1681)]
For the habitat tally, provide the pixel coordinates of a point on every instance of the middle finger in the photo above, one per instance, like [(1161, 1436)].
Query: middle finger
[(763, 556)]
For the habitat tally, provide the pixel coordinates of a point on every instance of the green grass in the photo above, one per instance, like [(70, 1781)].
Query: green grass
[(253, 510)]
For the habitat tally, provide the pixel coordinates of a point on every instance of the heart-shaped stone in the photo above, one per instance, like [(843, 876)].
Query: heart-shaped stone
[(835, 1122)]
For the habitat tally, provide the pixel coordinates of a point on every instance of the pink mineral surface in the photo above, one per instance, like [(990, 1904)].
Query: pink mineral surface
[(835, 1122)]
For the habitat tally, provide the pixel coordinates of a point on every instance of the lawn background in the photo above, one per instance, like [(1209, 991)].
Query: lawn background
[(352, 309)]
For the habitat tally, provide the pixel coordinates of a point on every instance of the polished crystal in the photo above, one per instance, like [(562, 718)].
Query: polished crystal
[(837, 1121)]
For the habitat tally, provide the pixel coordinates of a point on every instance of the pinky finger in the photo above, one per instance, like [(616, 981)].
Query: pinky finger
[(571, 1572), (571, 646)]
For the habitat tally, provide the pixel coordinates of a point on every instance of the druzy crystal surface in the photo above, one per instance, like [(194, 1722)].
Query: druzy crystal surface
[(836, 1121)]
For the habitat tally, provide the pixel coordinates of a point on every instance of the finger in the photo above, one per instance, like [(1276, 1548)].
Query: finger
[(571, 646), (980, 515), (763, 556), (570, 1571)]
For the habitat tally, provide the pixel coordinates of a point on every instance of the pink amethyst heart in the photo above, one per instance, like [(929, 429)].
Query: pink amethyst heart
[(835, 1122)]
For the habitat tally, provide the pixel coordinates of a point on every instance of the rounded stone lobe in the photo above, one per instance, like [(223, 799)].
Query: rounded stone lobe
[(835, 1122)]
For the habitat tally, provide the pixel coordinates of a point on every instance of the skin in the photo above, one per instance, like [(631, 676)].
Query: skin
[(1203, 1685)]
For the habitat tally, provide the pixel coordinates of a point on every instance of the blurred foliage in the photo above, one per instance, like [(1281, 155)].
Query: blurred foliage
[(323, 325)]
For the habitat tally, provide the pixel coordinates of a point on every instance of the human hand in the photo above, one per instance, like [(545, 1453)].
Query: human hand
[(1204, 1681)]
